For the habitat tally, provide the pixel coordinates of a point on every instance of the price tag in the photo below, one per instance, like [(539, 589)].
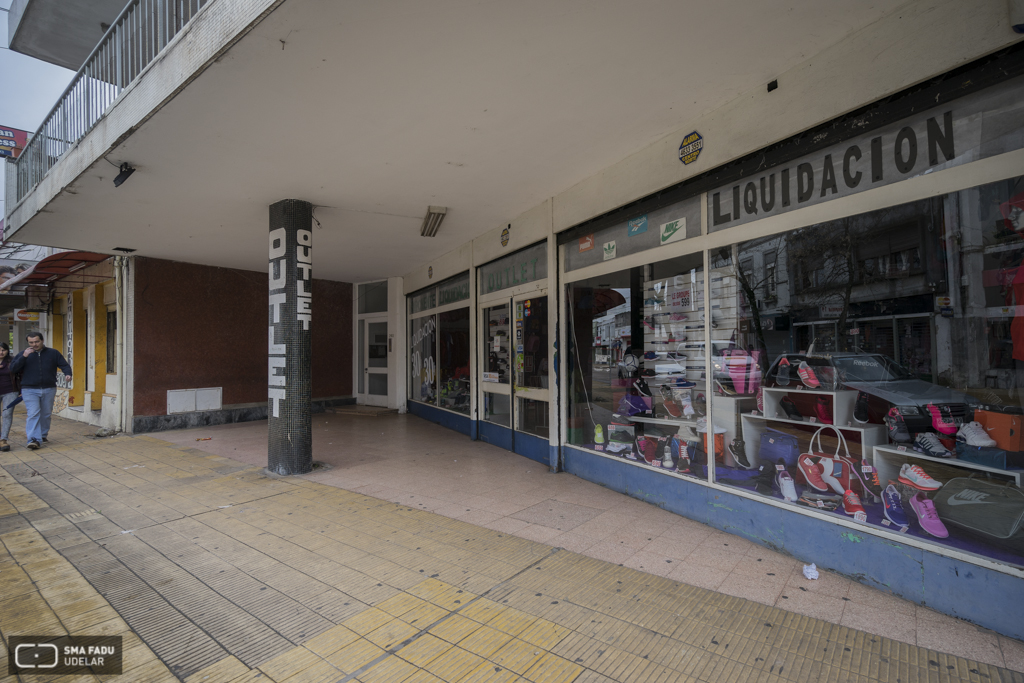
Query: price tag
[(819, 503), (849, 424), (886, 522), (903, 529), (771, 440), (860, 516), (901, 449), (753, 412), (780, 468), (867, 469), (812, 419)]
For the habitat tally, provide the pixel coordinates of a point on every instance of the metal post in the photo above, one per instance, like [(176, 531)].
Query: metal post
[(289, 376)]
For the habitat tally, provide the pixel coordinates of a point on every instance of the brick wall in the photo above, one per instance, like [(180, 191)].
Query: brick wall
[(201, 326)]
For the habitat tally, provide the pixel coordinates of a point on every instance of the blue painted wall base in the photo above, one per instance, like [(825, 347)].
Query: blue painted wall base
[(495, 435), (961, 589), (532, 447), (445, 418)]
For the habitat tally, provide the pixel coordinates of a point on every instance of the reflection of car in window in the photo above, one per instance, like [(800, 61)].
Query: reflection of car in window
[(886, 383)]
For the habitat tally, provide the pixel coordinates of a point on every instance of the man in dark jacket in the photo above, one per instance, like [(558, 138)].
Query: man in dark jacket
[(38, 368)]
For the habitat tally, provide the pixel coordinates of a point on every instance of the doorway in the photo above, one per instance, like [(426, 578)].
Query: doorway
[(372, 344)]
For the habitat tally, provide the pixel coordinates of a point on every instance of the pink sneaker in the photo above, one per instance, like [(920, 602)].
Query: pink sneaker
[(941, 419), (760, 400), (851, 503), (807, 375), (822, 411), (927, 516)]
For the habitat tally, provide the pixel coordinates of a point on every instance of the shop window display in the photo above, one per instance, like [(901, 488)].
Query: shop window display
[(638, 387), (439, 345), (891, 349)]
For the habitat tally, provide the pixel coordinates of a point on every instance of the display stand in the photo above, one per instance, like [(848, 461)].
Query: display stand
[(889, 459)]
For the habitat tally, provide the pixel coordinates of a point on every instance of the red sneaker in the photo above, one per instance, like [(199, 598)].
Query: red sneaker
[(812, 472), (942, 420), (851, 503), (823, 411), (807, 375)]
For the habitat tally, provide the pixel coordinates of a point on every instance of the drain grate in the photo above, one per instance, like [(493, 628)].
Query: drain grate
[(83, 516)]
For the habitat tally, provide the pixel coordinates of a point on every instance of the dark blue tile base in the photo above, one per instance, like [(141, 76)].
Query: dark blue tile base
[(532, 447), (983, 596), (445, 418)]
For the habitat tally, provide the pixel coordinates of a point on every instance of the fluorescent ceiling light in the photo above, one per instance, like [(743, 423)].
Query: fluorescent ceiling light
[(432, 221)]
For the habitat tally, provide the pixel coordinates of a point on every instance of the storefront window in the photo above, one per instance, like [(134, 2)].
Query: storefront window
[(875, 368), (439, 345), (453, 337), (423, 377), (638, 388), (532, 417)]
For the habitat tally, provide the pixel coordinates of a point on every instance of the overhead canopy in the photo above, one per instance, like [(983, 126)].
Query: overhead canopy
[(59, 272)]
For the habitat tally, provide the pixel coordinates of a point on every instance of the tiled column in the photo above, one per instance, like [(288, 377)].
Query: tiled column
[(289, 376)]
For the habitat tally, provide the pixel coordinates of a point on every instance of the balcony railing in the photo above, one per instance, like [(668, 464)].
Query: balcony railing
[(137, 36)]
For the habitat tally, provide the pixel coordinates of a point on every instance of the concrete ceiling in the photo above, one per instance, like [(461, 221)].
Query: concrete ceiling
[(373, 111), (79, 23)]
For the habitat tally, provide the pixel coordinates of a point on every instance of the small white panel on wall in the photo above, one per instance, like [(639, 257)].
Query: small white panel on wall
[(109, 294), (181, 401), (209, 399)]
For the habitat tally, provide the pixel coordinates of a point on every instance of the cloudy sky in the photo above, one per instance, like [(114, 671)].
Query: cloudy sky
[(29, 88)]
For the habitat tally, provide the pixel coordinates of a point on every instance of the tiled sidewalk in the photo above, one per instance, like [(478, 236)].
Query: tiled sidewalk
[(214, 573)]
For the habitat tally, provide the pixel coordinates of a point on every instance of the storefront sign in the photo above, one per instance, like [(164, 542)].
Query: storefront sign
[(636, 226), (22, 315), (490, 377), (520, 268), (505, 236), (982, 125), (609, 250), (586, 243), (673, 231), (941, 301), (690, 147), (681, 299), (830, 310), (291, 296), (12, 141), (454, 290), (424, 301)]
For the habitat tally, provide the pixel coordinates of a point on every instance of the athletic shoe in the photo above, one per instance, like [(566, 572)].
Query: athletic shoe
[(666, 460), (726, 390), (929, 444), (782, 373), (33, 444), (897, 426), (641, 388), (973, 434), (680, 382), (739, 453), (700, 404), (913, 475), (677, 317), (4, 446), (817, 503), (619, 446), (927, 516), (648, 448), (785, 483), (807, 375), (822, 411), (792, 412), (941, 419), (836, 474), (894, 506), (598, 438), (851, 503), (760, 400), (812, 472), (869, 480), (860, 408), (650, 355), (668, 404)]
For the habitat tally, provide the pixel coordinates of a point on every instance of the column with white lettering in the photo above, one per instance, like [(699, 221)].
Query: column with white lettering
[(289, 347)]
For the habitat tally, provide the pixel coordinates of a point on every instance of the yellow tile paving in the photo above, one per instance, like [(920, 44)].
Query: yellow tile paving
[(427, 599)]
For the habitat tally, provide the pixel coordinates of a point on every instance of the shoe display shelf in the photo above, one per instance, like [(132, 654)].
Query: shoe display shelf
[(888, 459), (842, 400), (687, 427), (861, 438)]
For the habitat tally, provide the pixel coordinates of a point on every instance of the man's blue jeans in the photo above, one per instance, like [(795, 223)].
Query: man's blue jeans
[(39, 403)]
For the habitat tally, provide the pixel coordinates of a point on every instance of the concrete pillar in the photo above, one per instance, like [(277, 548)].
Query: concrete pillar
[(289, 391)]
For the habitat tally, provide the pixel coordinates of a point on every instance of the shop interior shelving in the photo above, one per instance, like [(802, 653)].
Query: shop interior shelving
[(888, 460)]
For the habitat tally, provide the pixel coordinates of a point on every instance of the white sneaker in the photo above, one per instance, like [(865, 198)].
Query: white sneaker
[(913, 475), (786, 485), (973, 434)]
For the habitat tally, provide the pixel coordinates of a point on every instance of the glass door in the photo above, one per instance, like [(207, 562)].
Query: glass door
[(373, 352), (530, 364), (496, 363)]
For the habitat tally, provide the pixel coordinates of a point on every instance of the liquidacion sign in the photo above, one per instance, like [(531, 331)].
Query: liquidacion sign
[(981, 125)]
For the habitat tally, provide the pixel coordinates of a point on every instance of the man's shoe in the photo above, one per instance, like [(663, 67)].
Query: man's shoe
[(4, 446), (33, 444), (897, 426), (860, 408), (45, 439)]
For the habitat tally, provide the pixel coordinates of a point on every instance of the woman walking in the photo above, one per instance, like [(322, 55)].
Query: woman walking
[(8, 392)]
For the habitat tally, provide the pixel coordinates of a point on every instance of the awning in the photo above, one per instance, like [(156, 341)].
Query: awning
[(59, 272)]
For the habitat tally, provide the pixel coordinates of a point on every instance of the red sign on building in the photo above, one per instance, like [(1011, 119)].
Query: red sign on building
[(12, 141)]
